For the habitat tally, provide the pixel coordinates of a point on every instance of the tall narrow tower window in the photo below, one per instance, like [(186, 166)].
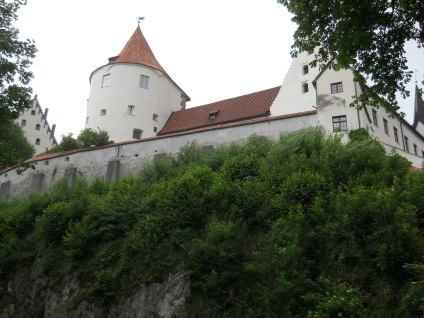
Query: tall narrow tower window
[(37, 127), (130, 110), (144, 81), (305, 88), (305, 69), (106, 80)]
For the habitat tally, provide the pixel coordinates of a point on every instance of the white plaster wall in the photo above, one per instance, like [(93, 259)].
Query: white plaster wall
[(291, 98), (93, 163), (337, 104), (46, 140), (161, 98)]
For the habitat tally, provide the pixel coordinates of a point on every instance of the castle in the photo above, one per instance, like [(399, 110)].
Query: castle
[(144, 111)]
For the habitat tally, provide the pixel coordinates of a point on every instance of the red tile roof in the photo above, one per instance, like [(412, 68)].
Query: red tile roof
[(138, 51), (240, 108)]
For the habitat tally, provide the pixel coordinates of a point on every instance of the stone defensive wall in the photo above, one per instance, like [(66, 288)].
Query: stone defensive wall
[(121, 159)]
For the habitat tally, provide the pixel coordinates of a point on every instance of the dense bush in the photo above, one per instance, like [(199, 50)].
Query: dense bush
[(304, 226)]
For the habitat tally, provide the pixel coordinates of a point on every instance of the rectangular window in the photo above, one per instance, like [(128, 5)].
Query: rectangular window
[(33, 112), (406, 144), (103, 112), (137, 133), (374, 117), (336, 88), (415, 150), (305, 69), (23, 123), (339, 123), (144, 81), (106, 80), (37, 141), (305, 88), (386, 128), (155, 117), (395, 133), (130, 110), (37, 127), (155, 129)]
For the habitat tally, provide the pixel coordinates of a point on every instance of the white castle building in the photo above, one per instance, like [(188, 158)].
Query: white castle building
[(36, 127), (144, 111)]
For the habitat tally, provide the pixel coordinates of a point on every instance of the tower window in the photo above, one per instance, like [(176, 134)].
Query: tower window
[(305, 69), (339, 123), (144, 81), (406, 144), (37, 127), (33, 112), (137, 133), (23, 123), (130, 110), (155, 129), (305, 88), (37, 141), (336, 88), (155, 117), (103, 112), (106, 80)]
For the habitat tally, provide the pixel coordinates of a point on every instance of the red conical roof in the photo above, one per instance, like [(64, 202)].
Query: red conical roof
[(138, 51)]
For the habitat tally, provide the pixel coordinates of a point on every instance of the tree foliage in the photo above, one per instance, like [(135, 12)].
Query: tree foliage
[(14, 146), (370, 36), (304, 226), (87, 138)]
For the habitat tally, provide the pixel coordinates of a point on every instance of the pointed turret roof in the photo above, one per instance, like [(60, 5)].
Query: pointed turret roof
[(138, 51), (419, 108)]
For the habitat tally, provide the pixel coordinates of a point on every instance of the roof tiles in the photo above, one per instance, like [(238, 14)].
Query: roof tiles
[(235, 109), (138, 51)]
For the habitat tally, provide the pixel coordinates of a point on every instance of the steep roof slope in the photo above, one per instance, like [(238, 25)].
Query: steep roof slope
[(138, 51), (235, 109)]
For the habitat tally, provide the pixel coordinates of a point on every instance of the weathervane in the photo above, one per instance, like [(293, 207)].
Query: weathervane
[(139, 19)]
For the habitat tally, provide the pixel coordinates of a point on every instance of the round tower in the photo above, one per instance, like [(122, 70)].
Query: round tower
[(132, 96)]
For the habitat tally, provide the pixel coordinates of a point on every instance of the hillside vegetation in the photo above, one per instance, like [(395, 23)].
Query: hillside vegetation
[(304, 226)]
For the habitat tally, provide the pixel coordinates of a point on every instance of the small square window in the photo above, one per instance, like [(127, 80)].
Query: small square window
[(336, 88), (23, 123), (305, 88), (374, 117), (339, 123), (144, 81), (137, 133), (395, 134), (33, 112), (305, 69), (103, 112), (130, 110), (386, 127), (37, 127), (106, 80)]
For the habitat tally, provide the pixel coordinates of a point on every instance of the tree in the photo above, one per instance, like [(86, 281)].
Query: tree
[(87, 138), (367, 35), (15, 94), (14, 146)]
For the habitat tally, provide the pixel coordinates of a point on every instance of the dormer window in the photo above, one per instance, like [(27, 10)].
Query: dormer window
[(213, 114)]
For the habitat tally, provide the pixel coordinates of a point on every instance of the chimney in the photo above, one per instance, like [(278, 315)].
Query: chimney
[(53, 129), (45, 113)]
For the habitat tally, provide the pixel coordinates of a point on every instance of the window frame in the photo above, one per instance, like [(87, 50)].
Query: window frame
[(144, 81), (374, 117), (406, 140), (386, 126), (305, 69), (305, 88), (395, 134), (37, 127), (137, 133), (341, 124), (106, 80), (336, 88)]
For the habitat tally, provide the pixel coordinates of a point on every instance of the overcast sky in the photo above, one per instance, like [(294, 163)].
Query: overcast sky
[(212, 49)]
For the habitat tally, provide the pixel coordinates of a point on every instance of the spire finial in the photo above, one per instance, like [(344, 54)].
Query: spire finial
[(139, 19)]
